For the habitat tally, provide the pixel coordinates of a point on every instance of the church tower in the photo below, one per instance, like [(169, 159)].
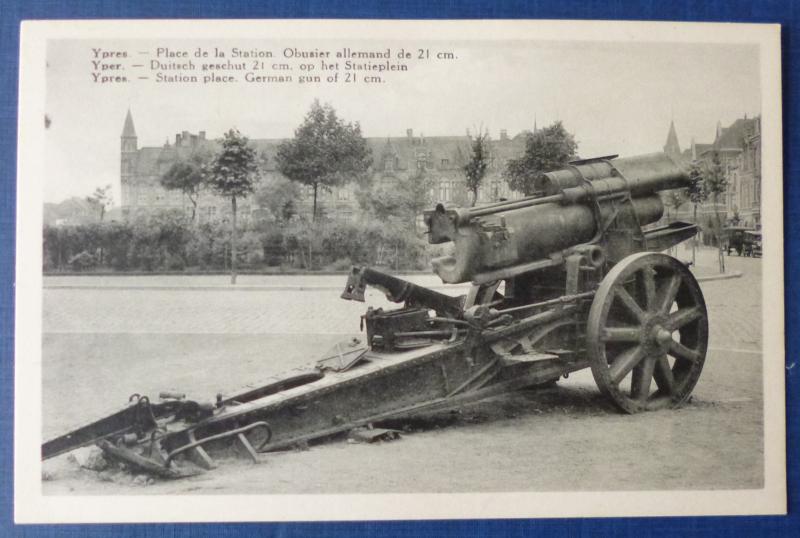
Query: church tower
[(672, 148), (128, 152)]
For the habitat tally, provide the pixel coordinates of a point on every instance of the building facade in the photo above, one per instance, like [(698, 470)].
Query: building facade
[(739, 149), (142, 168), (439, 158)]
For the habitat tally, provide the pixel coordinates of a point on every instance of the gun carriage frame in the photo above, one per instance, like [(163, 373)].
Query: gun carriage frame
[(567, 279)]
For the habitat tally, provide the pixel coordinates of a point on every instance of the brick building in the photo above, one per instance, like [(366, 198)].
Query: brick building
[(440, 157), (739, 150)]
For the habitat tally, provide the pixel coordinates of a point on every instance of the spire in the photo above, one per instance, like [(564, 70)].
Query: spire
[(535, 127), (672, 147), (129, 142), (128, 131)]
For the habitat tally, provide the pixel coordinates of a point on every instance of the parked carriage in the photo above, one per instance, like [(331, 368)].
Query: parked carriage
[(752, 243), (734, 239)]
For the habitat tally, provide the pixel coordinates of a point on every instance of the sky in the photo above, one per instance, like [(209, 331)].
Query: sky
[(615, 98)]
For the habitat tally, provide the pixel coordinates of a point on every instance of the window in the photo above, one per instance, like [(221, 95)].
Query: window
[(496, 191), (422, 159), (445, 162), (342, 194)]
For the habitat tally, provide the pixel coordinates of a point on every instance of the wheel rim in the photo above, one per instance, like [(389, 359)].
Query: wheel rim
[(647, 333)]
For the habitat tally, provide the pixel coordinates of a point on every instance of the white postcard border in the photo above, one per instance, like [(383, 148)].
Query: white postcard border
[(31, 506)]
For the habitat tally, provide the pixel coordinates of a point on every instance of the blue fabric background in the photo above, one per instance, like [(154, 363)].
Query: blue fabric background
[(785, 12)]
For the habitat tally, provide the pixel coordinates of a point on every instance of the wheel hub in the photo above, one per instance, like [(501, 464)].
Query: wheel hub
[(662, 337), (656, 335)]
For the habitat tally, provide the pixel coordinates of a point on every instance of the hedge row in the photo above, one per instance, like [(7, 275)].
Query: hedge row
[(169, 242)]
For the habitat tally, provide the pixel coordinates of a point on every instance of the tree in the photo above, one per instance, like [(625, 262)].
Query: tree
[(697, 195), (674, 199), (231, 174), (547, 149), (392, 210), (475, 169), (325, 152), (417, 193), (101, 200), (715, 183), (188, 176), (279, 195), (404, 198)]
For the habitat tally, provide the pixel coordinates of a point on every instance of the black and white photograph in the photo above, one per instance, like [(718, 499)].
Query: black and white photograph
[(312, 270)]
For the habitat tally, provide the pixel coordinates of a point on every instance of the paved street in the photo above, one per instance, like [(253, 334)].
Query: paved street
[(105, 339), (311, 304)]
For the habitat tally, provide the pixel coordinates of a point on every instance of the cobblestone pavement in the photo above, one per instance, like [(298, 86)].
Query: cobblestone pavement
[(102, 342), (311, 304)]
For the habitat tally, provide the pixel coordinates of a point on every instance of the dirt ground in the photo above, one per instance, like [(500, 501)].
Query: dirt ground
[(561, 438)]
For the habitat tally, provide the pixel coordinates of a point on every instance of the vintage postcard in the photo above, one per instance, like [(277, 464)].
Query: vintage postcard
[(335, 270)]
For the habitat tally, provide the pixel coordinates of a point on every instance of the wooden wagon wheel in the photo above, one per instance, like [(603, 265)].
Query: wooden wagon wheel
[(648, 321)]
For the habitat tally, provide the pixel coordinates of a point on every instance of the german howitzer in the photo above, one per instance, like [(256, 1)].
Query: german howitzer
[(600, 202), (568, 278)]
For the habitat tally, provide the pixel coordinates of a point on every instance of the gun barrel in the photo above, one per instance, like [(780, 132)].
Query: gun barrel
[(507, 206), (563, 214), (641, 175)]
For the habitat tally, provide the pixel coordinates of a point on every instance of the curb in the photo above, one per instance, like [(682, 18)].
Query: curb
[(228, 287), (192, 288), (223, 288), (721, 276)]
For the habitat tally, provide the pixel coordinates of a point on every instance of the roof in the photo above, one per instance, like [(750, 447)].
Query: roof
[(733, 136), (700, 149), (441, 152), (732, 139), (128, 130), (672, 145), (444, 151)]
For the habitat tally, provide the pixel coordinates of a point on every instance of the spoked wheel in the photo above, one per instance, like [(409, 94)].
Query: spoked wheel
[(648, 321)]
